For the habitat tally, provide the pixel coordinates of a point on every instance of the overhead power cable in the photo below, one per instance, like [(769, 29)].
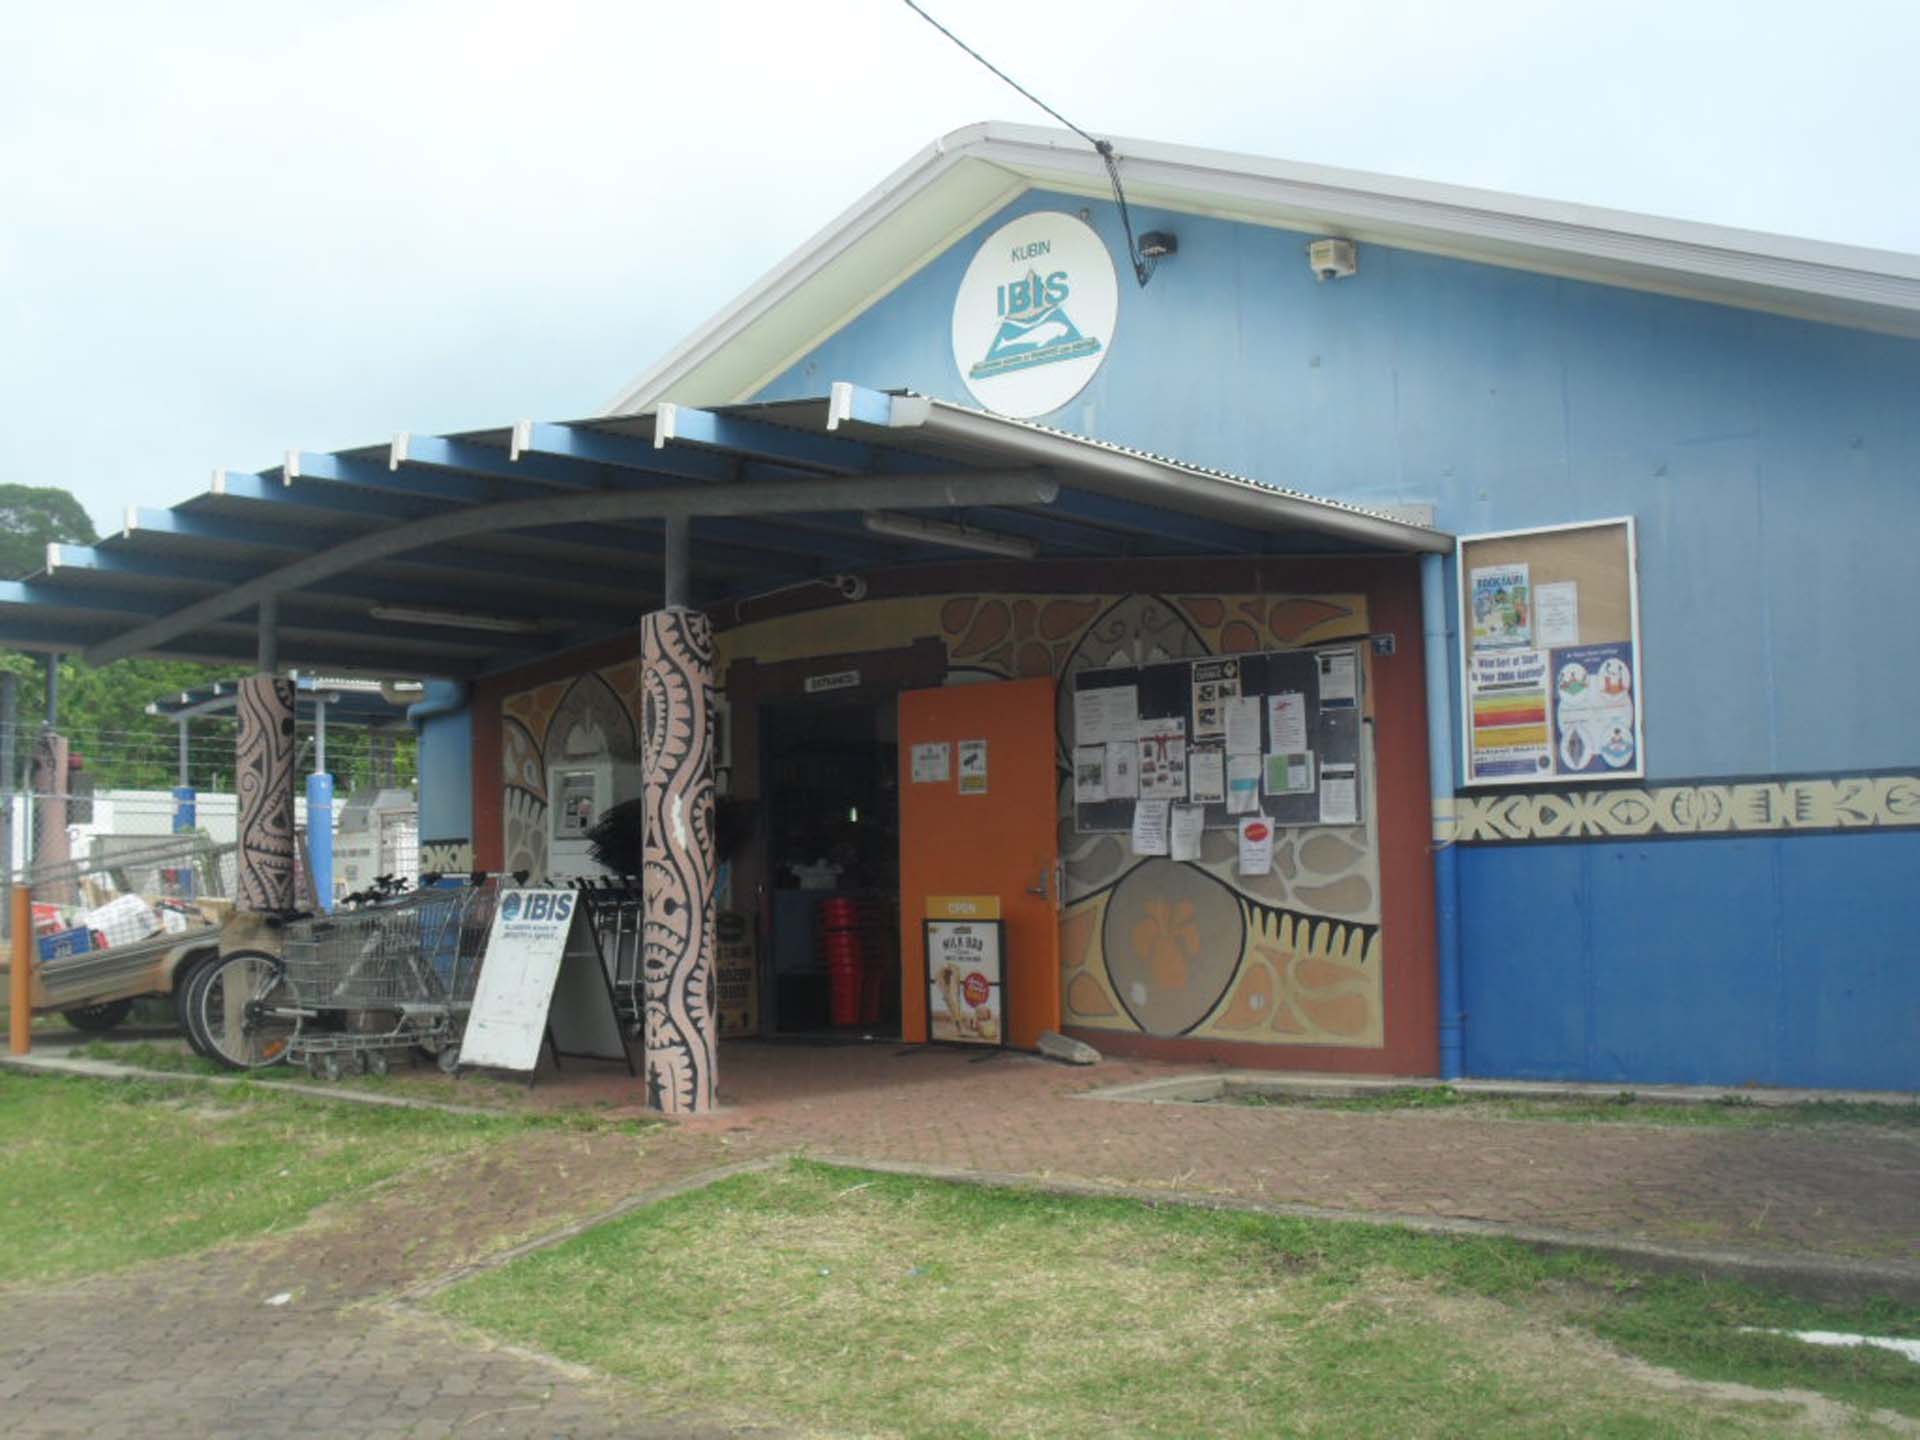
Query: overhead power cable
[(1142, 269)]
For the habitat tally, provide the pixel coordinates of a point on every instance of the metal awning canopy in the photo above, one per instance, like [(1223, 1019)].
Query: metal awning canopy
[(352, 704), (451, 556)]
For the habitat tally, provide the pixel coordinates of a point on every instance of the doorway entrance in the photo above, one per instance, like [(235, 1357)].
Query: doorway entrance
[(833, 867)]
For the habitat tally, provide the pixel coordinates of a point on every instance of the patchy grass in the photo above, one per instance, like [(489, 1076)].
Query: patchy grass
[(417, 1080), (104, 1173), (837, 1299), (1625, 1107)]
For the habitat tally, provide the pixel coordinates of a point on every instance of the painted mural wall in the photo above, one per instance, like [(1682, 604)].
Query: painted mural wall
[(1150, 946)]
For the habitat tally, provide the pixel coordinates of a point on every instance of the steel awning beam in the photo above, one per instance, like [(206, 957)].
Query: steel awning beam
[(1018, 487), (758, 440), (1128, 475), (533, 598)]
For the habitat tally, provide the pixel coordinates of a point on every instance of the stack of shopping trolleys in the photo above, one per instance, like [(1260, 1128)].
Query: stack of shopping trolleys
[(392, 973)]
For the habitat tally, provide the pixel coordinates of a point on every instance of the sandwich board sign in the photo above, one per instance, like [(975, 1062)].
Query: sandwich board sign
[(542, 978)]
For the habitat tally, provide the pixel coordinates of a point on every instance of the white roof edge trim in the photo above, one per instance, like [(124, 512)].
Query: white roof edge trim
[(1728, 266)]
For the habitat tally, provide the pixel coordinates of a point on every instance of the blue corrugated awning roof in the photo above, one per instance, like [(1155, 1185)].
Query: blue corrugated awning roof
[(454, 555)]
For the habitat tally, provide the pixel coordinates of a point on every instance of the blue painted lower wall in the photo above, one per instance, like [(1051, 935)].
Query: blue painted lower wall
[(1770, 960)]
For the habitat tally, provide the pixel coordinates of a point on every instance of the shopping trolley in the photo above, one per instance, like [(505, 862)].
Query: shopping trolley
[(348, 989), (617, 910)]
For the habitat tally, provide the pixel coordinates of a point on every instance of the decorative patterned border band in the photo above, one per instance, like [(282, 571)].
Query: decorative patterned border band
[(1797, 804)]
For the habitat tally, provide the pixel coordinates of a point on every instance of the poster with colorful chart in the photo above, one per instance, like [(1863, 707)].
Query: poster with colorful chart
[(1508, 693), (1593, 710)]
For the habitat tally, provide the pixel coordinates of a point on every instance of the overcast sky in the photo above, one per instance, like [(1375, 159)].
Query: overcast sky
[(228, 229)]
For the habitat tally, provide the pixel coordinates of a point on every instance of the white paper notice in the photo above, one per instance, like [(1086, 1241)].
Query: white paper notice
[(1556, 614), (1150, 827), (1105, 714), (1256, 845), (1287, 721), (1243, 784), (1339, 795), (1089, 774), (1290, 774), (1207, 775), (1215, 682), (1243, 725), (1339, 682), (1163, 767), (930, 763), (1184, 832), (1123, 773)]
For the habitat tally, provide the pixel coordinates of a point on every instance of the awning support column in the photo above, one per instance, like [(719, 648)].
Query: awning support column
[(1440, 769), (679, 870), (678, 574), (263, 774), (320, 812)]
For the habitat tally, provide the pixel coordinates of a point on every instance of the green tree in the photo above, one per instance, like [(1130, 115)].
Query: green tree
[(30, 517)]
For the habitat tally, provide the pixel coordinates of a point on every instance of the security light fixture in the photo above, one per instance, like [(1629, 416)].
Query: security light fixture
[(959, 537), (453, 619), (1158, 244)]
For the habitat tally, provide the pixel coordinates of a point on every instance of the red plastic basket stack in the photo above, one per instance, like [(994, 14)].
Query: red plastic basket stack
[(840, 946)]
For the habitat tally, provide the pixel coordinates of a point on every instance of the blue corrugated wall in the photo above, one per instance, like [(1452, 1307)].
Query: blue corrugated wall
[(1754, 960)]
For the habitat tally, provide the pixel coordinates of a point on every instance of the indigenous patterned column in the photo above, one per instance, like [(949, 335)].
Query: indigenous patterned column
[(50, 849), (677, 752), (263, 774)]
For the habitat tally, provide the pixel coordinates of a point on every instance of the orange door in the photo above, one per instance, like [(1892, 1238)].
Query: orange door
[(956, 839)]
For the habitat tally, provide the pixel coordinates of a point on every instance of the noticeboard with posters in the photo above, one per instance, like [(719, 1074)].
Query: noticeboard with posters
[(1550, 655), (1277, 732)]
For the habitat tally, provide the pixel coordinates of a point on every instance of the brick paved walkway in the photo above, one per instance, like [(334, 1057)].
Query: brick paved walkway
[(1834, 1190), (190, 1347)]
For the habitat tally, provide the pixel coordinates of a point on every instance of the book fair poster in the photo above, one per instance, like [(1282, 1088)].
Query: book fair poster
[(1502, 607)]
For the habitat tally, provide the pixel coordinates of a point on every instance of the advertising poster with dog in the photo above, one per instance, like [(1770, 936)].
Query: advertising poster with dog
[(965, 997)]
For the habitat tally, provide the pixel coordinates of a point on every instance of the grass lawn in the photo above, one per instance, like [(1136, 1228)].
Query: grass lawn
[(868, 1304), (419, 1080), (1624, 1108), (99, 1174)]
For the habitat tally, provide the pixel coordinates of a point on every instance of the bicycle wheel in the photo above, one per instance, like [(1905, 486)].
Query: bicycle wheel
[(184, 976), (238, 1004)]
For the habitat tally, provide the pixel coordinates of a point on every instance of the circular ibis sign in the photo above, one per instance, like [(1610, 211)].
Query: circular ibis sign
[(1035, 314)]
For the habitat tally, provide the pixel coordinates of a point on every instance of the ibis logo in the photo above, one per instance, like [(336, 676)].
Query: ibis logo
[(1035, 328), (554, 906), (1035, 314)]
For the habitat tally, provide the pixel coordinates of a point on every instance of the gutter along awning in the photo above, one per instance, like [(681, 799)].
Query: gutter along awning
[(452, 556)]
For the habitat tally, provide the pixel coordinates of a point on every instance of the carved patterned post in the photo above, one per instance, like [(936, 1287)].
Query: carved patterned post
[(263, 774), (677, 751)]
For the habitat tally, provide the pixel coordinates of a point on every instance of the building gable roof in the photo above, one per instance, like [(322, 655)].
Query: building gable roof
[(961, 179)]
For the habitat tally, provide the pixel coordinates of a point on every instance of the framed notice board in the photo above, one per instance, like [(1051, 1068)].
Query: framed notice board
[(1306, 703), (1550, 662)]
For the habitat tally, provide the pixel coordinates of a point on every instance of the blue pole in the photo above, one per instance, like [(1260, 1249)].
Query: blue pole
[(320, 837), (1440, 766)]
